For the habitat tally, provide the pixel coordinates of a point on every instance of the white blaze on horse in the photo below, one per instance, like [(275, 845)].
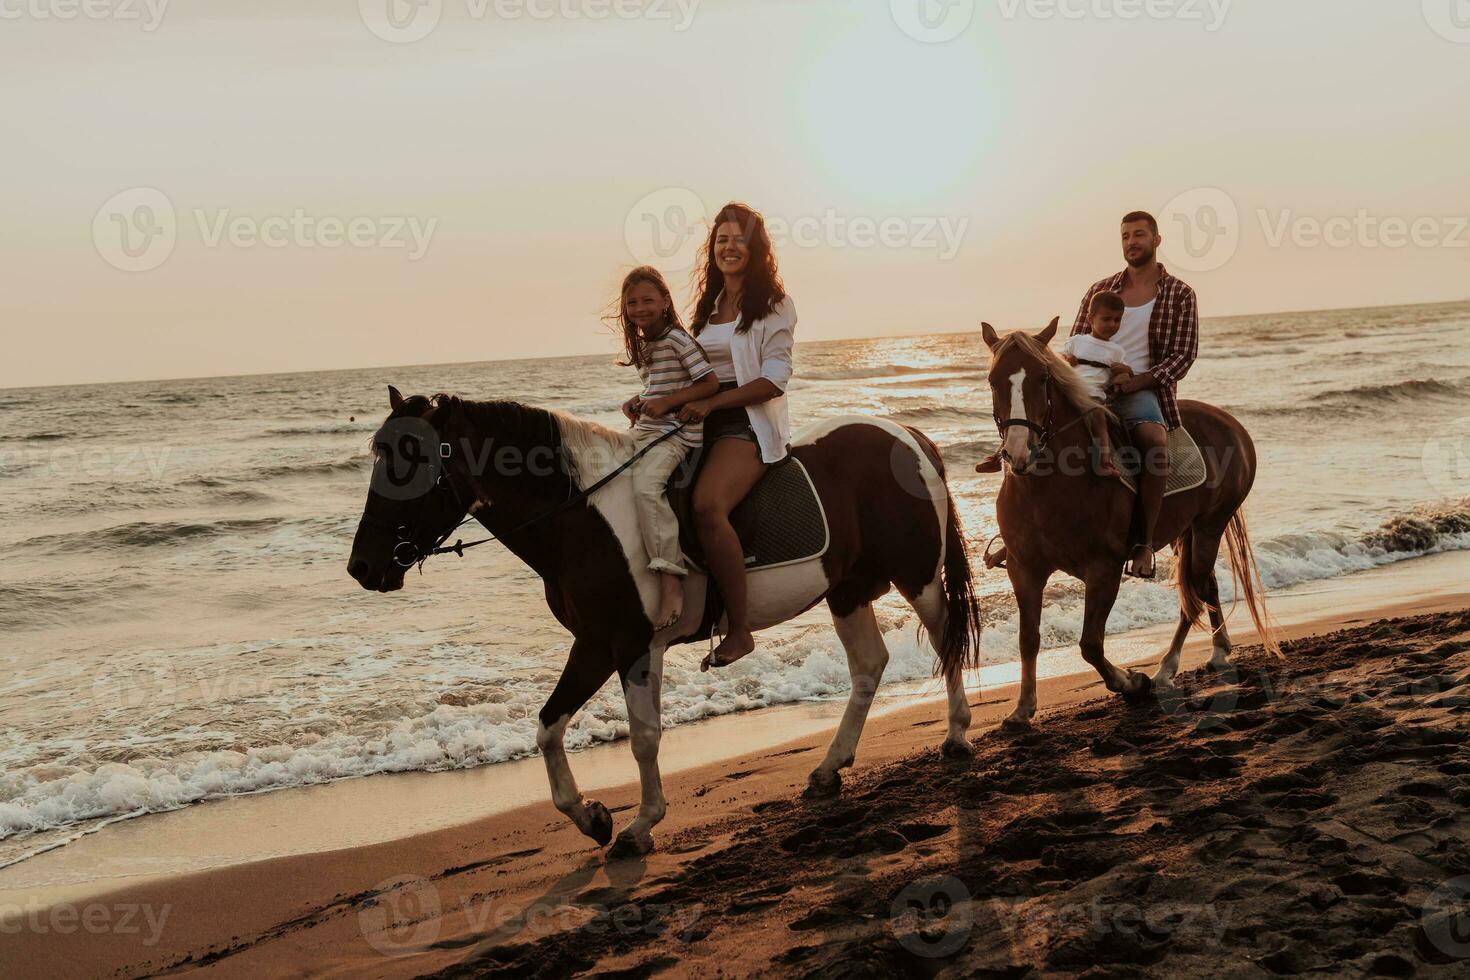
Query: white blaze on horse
[(1056, 514), (520, 471)]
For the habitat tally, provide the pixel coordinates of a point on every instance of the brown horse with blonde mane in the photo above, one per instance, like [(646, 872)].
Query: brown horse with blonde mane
[(1056, 514)]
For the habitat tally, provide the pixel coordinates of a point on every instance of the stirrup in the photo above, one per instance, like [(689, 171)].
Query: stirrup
[(990, 557)]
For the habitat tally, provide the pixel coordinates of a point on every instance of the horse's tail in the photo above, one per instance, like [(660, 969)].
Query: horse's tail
[(1246, 579), (1192, 605), (959, 647)]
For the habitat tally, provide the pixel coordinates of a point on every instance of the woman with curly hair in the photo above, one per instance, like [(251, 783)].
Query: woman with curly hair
[(745, 322)]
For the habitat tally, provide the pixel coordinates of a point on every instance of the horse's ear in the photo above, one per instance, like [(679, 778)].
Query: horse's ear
[(395, 399), (1051, 331), (991, 337)]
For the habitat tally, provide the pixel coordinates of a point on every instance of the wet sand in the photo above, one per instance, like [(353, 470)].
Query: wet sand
[(1298, 816)]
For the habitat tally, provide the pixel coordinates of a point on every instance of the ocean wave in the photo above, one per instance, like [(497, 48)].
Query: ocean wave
[(343, 428), (1399, 392), (944, 414), (888, 371), (811, 666), (38, 437), (361, 465), (147, 534)]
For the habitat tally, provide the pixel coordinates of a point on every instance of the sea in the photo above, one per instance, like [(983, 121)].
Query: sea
[(177, 624)]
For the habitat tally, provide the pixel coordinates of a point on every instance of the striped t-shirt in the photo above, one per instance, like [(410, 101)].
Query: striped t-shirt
[(672, 363)]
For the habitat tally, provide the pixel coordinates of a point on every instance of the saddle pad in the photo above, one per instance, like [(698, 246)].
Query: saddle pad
[(1186, 465), (786, 520)]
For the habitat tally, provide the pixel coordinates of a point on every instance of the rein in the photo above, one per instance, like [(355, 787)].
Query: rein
[(406, 553)]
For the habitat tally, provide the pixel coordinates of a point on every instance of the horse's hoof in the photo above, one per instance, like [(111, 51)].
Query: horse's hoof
[(957, 748), (820, 787), (628, 845), (1144, 692), (1017, 726), (601, 822)]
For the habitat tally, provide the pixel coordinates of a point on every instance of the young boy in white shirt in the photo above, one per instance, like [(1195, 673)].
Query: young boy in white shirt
[(1093, 355)]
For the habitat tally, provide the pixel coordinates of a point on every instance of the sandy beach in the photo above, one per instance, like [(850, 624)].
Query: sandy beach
[(1305, 813)]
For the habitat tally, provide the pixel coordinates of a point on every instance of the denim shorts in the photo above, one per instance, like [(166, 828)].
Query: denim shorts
[(1138, 407), (728, 423)]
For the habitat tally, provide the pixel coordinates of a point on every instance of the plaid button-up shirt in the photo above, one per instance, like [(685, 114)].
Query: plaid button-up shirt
[(1173, 334)]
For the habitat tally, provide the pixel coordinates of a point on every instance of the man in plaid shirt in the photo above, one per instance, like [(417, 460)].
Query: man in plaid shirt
[(1161, 334)]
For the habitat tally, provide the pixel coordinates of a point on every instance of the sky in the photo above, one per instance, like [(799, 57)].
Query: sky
[(201, 187)]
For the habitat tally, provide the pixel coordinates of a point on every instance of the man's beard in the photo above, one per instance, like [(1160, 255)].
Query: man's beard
[(1144, 259)]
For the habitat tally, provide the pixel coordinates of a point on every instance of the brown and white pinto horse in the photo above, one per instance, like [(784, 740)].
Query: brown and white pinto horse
[(509, 465), (1058, 515)]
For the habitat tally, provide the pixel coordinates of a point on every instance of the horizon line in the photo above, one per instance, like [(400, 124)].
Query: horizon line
[(558, 357)]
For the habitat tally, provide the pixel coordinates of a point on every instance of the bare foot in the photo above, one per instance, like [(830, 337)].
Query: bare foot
[(1106, 466), (731, 649), (671, 602)]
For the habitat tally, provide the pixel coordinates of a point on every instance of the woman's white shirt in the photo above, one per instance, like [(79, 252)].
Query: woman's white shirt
[(715, 338), (764, 351)]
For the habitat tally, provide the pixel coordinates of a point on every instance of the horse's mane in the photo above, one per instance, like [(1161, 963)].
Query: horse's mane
[(591, 450), (1067, 380)]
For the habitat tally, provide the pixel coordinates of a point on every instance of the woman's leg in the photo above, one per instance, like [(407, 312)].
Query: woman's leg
[(733, 469), (659, 526)]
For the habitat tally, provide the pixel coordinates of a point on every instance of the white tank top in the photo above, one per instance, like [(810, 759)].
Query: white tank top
[(1132, 336), (715, 338)]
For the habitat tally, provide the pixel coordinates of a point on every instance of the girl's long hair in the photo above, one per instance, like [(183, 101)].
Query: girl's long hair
[(633, 342), (763, 288)]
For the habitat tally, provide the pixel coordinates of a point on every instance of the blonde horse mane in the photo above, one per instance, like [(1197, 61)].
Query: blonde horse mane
[(594, 450), (1068, 381)]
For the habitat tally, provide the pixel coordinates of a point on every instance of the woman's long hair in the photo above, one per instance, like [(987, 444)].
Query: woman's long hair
[(633, 341), (763, 288)]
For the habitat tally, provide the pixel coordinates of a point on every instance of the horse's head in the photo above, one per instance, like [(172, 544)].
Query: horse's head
[(410, 504), (1020, 390)]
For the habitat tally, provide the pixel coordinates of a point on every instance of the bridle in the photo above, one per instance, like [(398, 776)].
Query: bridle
[(407, 552), (1042, 430)]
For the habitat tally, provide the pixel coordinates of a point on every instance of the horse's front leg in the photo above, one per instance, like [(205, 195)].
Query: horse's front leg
[(588, 666), (1028, 586), (642, 691), (1102, 582), (867, 656)]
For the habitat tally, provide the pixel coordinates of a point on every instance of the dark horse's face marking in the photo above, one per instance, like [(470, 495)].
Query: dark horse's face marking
[(1019, 390), (409, 504)]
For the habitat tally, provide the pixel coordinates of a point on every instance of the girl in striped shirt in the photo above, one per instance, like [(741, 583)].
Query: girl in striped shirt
[(674, 371)]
